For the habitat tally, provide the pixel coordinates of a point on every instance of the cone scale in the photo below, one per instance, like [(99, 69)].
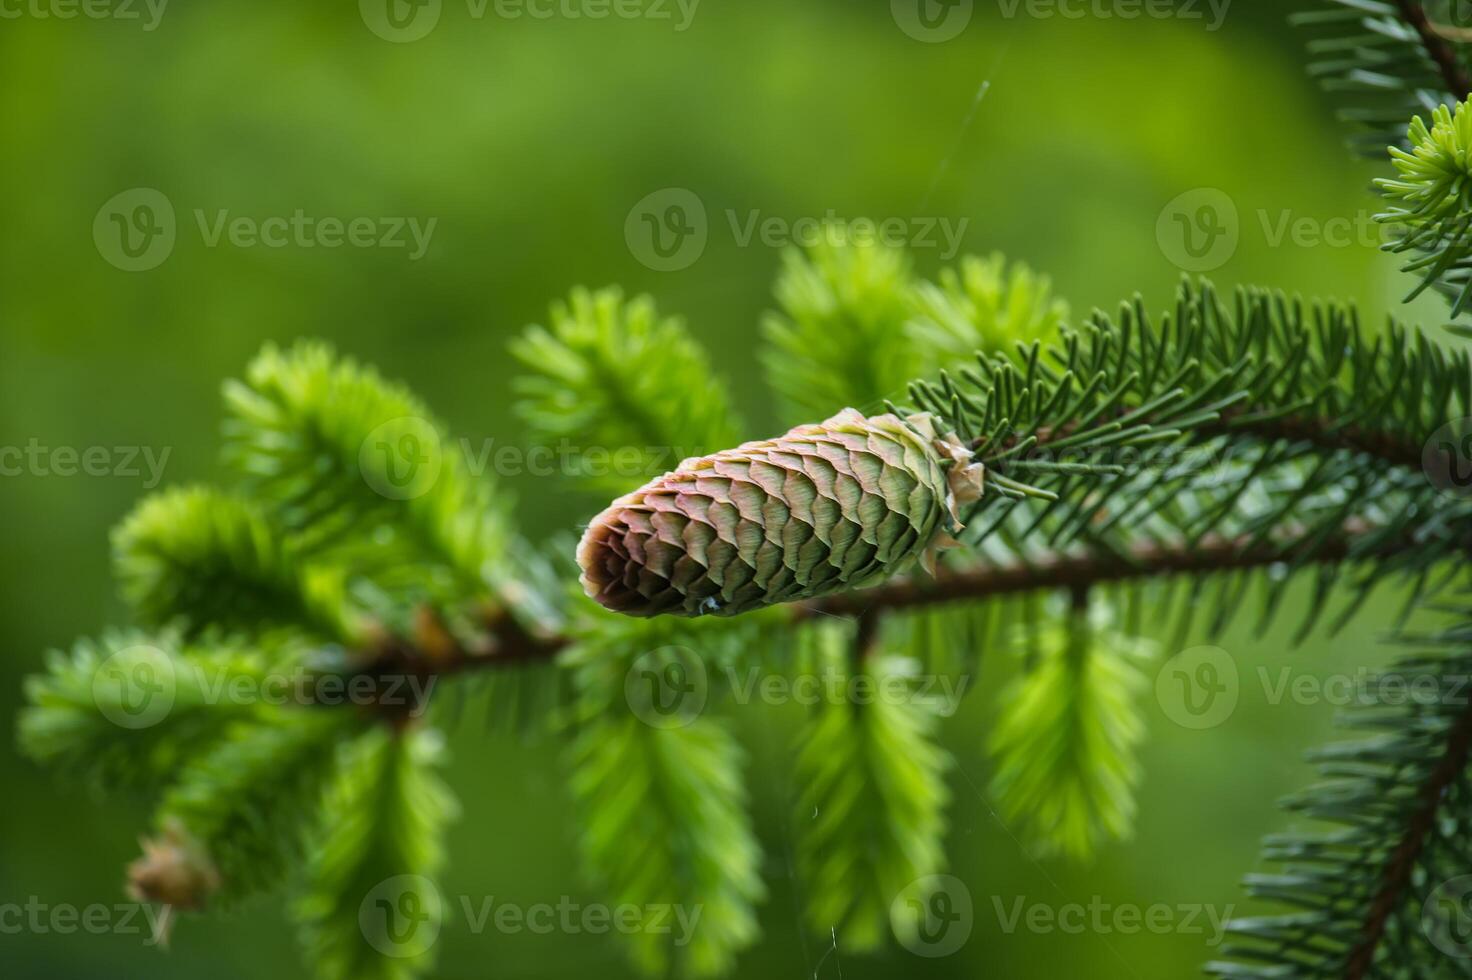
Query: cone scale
[(825, 508)]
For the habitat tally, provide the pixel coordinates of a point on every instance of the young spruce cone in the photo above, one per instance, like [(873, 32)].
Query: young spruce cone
[(823, 509)]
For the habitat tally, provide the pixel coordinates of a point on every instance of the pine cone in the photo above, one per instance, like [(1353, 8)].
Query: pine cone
[(823, 509)]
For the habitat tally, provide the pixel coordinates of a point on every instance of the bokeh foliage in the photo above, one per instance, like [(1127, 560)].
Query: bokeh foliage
[(352, 125)]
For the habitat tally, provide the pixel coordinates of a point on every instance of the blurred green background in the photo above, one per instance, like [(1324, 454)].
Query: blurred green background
[(529, 141)]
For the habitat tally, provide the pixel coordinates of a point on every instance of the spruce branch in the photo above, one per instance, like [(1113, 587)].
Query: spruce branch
[(509, 645), (210, 560), (1361, 894), (1305, 392), (89, 715), (664, 816), (358, 472), (1439, 48), (1065, 742), (1385, 62), (598, 377), (1399, 870), (1149, 560), (247, 802), (840, 337), (871, 810), (982, 305), (856, 325), (1400, 64), (1350, 399), (369, 907), (1431, 203), (1312, 428), (1262, 365)]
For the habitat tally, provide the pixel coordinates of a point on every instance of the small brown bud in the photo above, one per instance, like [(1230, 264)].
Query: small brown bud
[(174, 870)]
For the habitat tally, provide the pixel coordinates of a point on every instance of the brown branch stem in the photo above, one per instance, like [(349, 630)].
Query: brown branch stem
[(1438, 48), (508, 643), (1320, 432), (1213, 553), (432, 652), (1402, 863), (1325, 434)]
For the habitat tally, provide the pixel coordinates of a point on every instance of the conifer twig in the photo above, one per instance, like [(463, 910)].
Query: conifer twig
[(1212, 554), (1458, 83), (1397, 876), (508, 643)]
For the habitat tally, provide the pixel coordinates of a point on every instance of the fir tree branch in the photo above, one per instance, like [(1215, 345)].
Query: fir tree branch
[(1357, 896), (597, 377), (1397, 62), (871, 809), (1396, 878), (508, 643), (205, 559), (379, 835), (1429, 210), (666, 818), (1214, 553), (1065, 743), (1328, 420), (358, 472), (247, 802), (1438, 48), (83, 715), (1384, 61), (1323, 433), (1316, 403)]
